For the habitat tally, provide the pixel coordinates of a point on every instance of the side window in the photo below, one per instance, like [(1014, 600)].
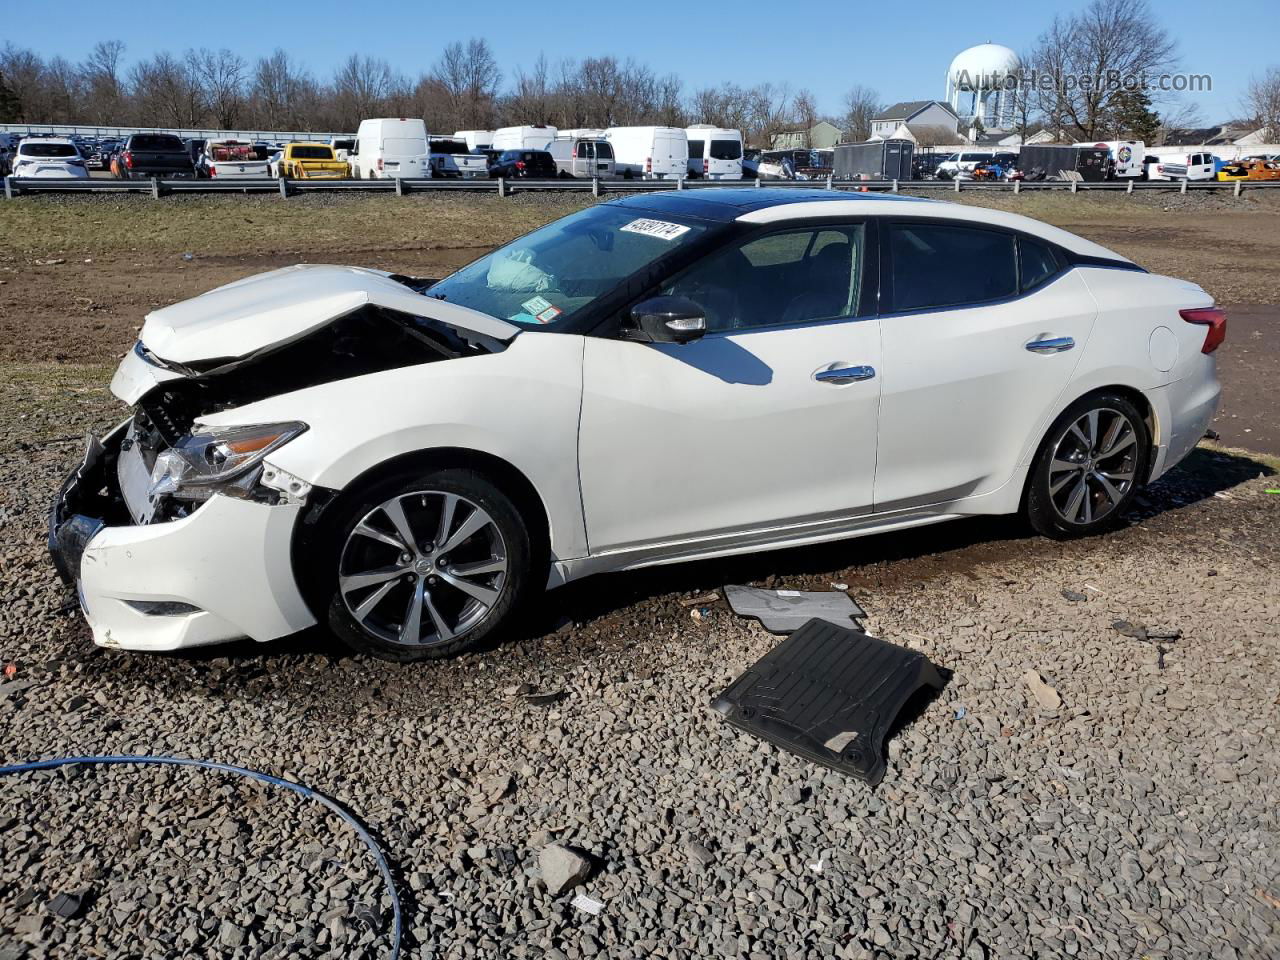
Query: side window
[(792, 276), (939, 265), (1037, 263)]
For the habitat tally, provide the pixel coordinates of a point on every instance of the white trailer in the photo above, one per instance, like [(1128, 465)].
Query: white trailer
[(529, 137), (1128, 157), (714, 152), (477, 141), (650, 153)]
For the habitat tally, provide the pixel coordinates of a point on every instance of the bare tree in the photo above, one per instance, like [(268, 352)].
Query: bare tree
[(468, 76), (165, 93), (104, 85), (221, 76), (1262, 103), (532, 98), (280, 93), (361, 87), (861, 106), (1091, 56)]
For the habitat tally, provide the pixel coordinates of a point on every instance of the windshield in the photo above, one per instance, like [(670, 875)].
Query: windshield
[(313, 153), (544, 278), (154, 142)]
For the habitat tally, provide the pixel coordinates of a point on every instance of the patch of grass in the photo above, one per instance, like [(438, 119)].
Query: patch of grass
[(52, 401), (91, 226)]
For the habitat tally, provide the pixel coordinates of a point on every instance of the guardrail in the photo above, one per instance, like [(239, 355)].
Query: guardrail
[(157, 188)]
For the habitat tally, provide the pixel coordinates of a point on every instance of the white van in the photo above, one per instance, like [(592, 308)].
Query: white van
[(1128, 157), (583, 133), (1182, 166), (477, 141), (714, 152), (651, 153), (390, 148), (530, 137), (582, 157), (450, 157)]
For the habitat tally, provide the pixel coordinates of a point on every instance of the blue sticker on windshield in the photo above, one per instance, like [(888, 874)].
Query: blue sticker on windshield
[(523, 317)]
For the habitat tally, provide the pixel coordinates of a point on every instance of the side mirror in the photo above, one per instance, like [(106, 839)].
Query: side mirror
[(668, 320)]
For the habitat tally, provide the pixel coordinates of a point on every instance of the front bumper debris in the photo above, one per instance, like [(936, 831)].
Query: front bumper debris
[(830, 694), (222, 572)]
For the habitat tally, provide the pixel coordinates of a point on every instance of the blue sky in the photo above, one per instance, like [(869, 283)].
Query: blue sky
[(746, 41)]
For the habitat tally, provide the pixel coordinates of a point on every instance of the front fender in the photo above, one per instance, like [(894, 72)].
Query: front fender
[(520, 405)]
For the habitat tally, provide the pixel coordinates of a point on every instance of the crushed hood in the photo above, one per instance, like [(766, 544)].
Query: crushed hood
[(241, 318)]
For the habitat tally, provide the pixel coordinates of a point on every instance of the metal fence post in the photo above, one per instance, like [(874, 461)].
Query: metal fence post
[(680, 183), (1129, 189), (155, 188), (829, 186), (8, 188), (284, 189), (1239, 184), (502, 186), (1184, 187), (895, 184), (757, 181), (957, 183), (595, 186), (1075, 185), (399, 186), (1017, 186)]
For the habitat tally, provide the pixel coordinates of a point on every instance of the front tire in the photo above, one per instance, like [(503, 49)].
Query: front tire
[(1088, 468), (426, 566)]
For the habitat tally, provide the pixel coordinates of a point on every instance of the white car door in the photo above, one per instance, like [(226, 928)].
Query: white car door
[(769, 420), (974, 358)]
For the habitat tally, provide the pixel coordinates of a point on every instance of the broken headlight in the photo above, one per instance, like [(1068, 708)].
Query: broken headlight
[(217, 460)]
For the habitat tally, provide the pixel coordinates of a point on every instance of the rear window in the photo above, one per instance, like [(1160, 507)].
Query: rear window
[(726, 150), (696, 149), (449, 146), (404, 146), (48, 150), (313, 153), (604, 151), (226, 153), (155, 141)]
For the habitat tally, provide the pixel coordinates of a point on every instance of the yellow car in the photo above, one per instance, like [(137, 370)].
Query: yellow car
[(1249, 170), (311, 161)]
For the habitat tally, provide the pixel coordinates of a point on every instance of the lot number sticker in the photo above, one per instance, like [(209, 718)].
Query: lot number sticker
[(656, 228)]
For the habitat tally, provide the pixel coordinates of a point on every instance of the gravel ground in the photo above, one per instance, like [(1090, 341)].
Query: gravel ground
[(1135, 820)]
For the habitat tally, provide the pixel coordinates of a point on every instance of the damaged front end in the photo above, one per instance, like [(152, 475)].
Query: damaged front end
[(160, 518)]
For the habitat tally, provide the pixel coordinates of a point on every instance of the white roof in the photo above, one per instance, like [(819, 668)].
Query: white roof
[(933, 209)]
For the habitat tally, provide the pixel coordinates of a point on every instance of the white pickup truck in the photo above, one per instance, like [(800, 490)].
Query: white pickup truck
[(225, 159), (452, 157), (1181, 166)]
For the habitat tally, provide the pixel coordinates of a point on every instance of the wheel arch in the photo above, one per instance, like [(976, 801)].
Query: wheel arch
[(1134, 395), (314, 529)]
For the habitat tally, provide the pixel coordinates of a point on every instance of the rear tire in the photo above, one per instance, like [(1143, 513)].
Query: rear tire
[(1089, 467), (421, 566)]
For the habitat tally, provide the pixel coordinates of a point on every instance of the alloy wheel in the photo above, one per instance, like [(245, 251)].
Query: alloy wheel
[(1094, 466), (423, 568)]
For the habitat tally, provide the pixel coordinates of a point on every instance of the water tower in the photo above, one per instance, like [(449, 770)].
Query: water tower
[(980, 86)]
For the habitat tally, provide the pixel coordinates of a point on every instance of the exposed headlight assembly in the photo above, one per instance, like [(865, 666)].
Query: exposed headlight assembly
[(218, 460)]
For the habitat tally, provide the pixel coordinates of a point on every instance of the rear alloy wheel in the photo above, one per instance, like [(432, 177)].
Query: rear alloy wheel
[(429, 569), (1089, 468)]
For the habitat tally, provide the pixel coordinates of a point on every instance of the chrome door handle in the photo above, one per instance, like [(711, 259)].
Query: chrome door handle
[(844, 375), (1051, 345)]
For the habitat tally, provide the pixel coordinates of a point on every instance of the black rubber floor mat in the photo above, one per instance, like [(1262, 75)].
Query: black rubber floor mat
[(829, 694)]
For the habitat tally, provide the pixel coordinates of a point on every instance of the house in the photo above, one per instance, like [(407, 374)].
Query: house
[(821, 136), (1221, 135), (913, 113)]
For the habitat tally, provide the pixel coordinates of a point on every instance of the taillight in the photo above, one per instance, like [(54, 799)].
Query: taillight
[(648, 164), (213, 171), (1215, 318), (128, 159), (379, 163), (519, 164)]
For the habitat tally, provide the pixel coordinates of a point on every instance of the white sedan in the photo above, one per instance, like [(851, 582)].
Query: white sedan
[(654, 379)]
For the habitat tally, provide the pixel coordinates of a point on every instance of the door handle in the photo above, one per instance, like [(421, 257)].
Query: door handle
[(841, 375), (1051, 345)]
